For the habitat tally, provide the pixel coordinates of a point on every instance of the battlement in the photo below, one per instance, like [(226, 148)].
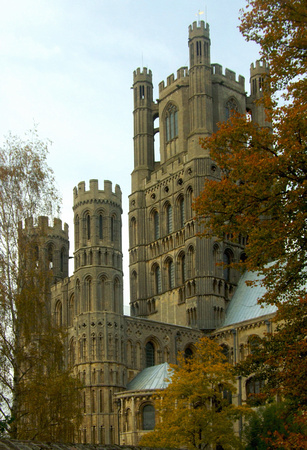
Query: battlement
[(80, 192), (199, 29), (230, 75), (142, 75), (42, 227), (182, 75), (260, 67)]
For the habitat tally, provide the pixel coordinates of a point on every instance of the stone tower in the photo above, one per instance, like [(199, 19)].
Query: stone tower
[(174, 276), (50, 244), (258, 73), (98, 312), (91, 302)]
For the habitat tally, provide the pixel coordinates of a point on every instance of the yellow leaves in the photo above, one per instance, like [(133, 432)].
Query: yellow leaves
[(192, 409)]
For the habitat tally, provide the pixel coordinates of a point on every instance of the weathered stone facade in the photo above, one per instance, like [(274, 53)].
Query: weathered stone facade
[(177, 289)]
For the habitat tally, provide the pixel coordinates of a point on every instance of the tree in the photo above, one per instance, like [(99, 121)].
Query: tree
[(262, 194), (195, 410), (267, 424), (36, 392)]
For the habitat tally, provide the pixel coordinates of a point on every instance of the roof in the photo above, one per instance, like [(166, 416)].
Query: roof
[(151, 378), (244, 304)]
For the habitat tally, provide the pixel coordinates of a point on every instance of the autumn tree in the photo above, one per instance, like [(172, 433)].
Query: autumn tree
[(38, 397), (262, 193), (195, 410)]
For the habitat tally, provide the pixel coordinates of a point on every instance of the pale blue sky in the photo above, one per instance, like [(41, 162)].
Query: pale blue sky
[(67, 65)]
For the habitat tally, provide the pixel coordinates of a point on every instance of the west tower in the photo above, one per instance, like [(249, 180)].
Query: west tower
[(174, 275)]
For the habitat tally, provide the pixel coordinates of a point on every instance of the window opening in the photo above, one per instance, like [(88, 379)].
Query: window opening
[(169, 214), (100, 226), (171, 123), (150, 354), (148, 417)]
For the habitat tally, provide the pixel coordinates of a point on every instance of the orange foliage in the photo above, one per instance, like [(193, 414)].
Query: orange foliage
[(262, 194), (193, 410)]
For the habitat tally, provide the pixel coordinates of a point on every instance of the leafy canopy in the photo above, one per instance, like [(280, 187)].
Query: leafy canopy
[(194, 410), (38, 397)]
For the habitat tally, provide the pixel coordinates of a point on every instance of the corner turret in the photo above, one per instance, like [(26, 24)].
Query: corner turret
[(258, 74), (143, 125), (50, 243)]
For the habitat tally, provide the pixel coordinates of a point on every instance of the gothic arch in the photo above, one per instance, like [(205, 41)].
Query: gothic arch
[(169, 269), (231, 107), (133, 285), (189, 197), (102, 292), (155, 224), (157, 279), (228, 258), (168, 212), (87, 225), (170, 120), (100, 224), (58, 313), (180, 211), (133, 231), (152, 351), (71, 309)]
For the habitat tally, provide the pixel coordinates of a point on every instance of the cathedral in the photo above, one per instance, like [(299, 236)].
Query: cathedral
[(178, 291)]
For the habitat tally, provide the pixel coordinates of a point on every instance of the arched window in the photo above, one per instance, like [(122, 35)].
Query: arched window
[(133, 281), (182, 268), (116, 294), (71, 352), (113, 218), (157, 280), (88, 290), (181, 211), (191, 262), (169, 219), (188, 353), (88, 226), (133, 232), (230, 108), (148, 417), (77, 231), (253, 389), (189, 202), (58, 313), (50, 252), (171, 123), (171, 274), (150, 354), (100, 226), (71, 310), (156, 220), (227, 258), (225, 351)]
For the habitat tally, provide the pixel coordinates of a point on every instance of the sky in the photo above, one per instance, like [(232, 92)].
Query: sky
[(67, 66)]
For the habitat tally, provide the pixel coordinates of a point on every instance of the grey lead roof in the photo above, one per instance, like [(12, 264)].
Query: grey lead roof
[(244, 304), (151, 378)]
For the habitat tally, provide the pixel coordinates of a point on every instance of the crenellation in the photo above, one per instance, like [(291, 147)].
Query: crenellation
[(170, 79), (142, 75), (43, 228), (182, 76), (83, 195), (182, 72), (259, 67), (217, 70), (199, 29)]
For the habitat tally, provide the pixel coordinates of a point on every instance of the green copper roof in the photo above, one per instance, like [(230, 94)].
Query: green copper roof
[(151, 378), (244, 304)]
